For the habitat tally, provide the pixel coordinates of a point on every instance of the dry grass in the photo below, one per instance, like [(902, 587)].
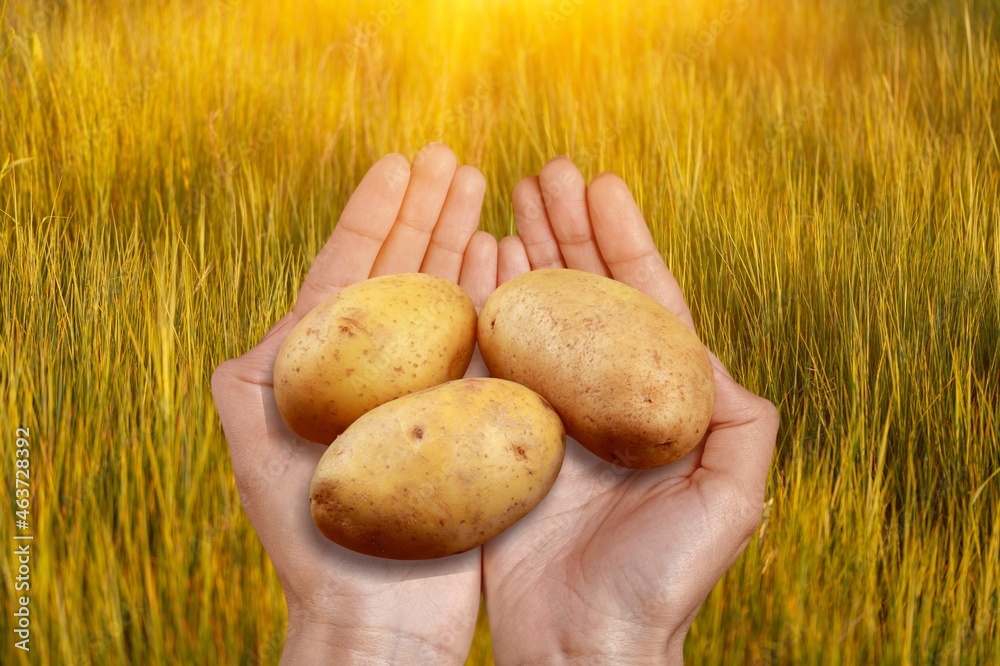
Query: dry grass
[(822, 176)]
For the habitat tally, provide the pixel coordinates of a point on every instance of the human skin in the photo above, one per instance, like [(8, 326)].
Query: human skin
[(344, 607), (614, 564)]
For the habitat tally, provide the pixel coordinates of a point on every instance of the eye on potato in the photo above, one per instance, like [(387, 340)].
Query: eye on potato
[(367, 344), (438, 472), (632, 383)]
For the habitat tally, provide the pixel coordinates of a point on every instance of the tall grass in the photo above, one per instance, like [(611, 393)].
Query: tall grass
[(823, 177)]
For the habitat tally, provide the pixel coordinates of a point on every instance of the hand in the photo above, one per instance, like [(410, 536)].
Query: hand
[(614, 564), (345, 607)]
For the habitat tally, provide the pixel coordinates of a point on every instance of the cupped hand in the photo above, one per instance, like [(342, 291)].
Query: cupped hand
[(614, 564), (345, 607)]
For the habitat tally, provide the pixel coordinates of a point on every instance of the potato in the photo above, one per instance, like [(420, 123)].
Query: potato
[(438, 472), (631, 382), (370, 343)]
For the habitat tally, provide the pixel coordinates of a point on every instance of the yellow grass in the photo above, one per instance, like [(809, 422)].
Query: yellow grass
[(823, 177)]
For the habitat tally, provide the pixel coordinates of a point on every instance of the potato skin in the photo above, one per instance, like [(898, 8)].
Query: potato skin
[(631, 382), (438, 472), (370, 343)]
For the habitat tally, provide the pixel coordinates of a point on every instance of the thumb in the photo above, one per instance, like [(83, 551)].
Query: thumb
[(256, 366), (742, 437), (244, 398)]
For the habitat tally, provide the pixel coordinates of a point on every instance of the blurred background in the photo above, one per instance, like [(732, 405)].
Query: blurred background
[(822, 176)]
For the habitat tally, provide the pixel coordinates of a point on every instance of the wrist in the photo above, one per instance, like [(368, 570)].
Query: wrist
[(312, 641), (671, 654), (593, 647)]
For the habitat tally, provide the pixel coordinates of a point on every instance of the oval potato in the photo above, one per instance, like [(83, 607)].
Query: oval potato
[(632, 383), (370, 343), (438, 472)]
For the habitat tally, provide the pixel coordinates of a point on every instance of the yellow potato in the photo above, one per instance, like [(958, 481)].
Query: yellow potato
[(631, 382), (370, 343), (438, 472)]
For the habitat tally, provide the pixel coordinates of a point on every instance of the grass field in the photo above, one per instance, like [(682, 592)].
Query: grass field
[(823, 177)]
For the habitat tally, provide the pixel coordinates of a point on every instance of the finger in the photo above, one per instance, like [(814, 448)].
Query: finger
[(348, 255), (430, 178), (628, 247), (565, 195), (512, 260), (742, 438), (533, 226), (459, 220), (479, 269)]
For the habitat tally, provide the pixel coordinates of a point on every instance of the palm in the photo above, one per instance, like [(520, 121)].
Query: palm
[(591, 539), (440, 589), (332, 576)]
